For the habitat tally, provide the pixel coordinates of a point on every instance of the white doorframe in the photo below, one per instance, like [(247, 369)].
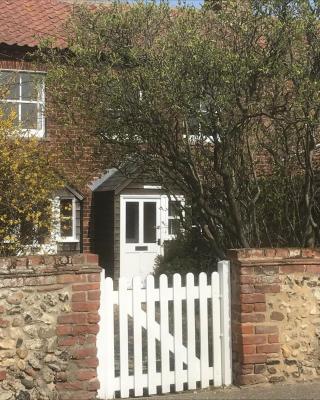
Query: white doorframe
[(162, 232), (140, 198)]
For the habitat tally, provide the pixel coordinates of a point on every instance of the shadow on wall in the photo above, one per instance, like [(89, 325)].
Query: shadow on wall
[(102, 229)]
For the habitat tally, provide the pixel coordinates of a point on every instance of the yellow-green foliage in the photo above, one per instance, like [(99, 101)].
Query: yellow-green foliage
[(27, 182)]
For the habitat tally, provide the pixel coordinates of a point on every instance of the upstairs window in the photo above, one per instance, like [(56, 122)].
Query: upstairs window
[(198, 123), (22, 92)]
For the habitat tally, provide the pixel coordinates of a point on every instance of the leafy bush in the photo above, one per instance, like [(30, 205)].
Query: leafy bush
[(189, 252), (27, 182)]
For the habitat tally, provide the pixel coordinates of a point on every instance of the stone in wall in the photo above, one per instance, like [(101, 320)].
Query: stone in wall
[(48, 327), (28, 342), (296, 312), (275, 315)]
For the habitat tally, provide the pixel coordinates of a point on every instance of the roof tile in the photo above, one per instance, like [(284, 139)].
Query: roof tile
[(25, 22)]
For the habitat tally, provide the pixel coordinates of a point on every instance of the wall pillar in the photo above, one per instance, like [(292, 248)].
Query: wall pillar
[(275, 314)]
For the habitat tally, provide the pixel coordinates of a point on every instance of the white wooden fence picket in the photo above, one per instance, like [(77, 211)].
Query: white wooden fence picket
[(190, 324)]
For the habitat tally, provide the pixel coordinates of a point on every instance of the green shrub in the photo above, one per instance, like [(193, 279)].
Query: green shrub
[(187, 253)]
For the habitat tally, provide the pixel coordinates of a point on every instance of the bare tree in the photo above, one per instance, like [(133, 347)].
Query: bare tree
[(219, 103)]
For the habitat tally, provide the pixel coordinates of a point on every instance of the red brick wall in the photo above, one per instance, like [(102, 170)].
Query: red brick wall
[(49, 319), (79, 166), (271, 288)]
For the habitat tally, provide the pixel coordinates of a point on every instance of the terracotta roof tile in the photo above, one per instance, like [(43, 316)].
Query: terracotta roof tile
[(24, 22)]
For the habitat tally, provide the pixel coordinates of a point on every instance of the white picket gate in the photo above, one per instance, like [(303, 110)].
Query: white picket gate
[(179, 335)]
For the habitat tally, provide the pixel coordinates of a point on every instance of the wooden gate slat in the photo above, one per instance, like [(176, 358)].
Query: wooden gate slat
[(123, 332), (105, 340), (193, 373), (226, 347), (164, 330), (216, 329), (177, 310), (151, 339), (204, 348), (137, 336)]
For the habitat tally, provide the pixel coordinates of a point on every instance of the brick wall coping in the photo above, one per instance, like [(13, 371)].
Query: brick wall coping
[(36, 265), (276, 256)]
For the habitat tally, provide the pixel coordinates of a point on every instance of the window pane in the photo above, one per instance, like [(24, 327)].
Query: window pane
[(29, 116), (9, 83), (40, 116), (150, 222), (26, 232), (174, 226), (30, 85), (132, 222), (173, 208), (11, 110), (66, 217)]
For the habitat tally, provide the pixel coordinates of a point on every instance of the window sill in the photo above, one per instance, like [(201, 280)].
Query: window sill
[(33, 133), (67, 240)]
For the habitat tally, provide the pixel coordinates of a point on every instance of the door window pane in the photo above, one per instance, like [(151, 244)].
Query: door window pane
[(132, 222), (150, 222)]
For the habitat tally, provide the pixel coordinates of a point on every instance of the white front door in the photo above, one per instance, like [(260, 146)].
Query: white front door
[(140, 234)]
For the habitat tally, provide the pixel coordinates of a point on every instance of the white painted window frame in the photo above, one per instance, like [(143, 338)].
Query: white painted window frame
[(195, 138), (56, 212), (163, 233), (123, 198), (177, 198), (136, 198), (40, 101)]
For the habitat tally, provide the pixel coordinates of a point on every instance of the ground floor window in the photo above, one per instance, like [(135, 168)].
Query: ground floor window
[(174, 223), (69, 219), (66, 217), (175, 215)]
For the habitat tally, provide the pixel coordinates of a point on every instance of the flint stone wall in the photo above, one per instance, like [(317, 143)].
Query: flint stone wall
[(275, 315), (48, 326)]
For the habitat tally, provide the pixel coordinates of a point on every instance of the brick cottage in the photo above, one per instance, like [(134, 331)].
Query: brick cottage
[(49, 303), (102, 211)]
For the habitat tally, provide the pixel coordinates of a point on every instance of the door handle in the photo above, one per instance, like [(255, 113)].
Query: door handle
[(159, 242)]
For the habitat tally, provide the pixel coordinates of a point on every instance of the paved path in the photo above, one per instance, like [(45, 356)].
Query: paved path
[(297, 391)]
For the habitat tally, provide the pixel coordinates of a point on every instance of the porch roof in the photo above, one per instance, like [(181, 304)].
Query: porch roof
[(112, 180)]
